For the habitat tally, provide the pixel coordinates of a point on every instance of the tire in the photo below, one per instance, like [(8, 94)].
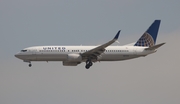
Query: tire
[(90, 63), (87, 66), (30, 65)]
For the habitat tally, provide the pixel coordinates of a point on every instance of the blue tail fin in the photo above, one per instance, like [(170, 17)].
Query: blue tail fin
[(148, 39)]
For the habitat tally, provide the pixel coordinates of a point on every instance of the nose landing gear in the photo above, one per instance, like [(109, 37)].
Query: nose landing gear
[(30, 64), (28, 61)]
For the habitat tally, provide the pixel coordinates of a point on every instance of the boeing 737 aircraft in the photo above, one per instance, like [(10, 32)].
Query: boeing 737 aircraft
[(74, 55)]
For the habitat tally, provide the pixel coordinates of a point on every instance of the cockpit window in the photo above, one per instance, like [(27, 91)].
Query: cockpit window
[(23, 50)]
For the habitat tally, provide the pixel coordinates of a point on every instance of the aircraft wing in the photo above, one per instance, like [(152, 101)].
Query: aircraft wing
[(93, 53)]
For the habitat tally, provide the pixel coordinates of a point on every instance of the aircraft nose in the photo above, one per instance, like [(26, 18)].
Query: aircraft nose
[(17, 55)]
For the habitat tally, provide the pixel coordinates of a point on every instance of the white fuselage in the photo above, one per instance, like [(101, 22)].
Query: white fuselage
[(74, 55), (59, 53)]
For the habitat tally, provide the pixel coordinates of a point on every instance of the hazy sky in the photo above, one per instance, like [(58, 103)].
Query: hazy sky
[(154, 79)]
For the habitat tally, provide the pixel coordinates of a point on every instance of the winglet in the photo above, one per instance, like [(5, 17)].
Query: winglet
[(117, 35)]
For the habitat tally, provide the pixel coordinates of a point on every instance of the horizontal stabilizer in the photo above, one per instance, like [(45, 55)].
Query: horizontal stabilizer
[(155, 46)]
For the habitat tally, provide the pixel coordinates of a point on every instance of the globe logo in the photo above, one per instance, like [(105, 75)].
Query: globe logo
[(145, 40)]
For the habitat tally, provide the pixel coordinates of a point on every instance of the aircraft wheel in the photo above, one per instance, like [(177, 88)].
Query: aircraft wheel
[(87, 66), (90, 63), (30, 65)]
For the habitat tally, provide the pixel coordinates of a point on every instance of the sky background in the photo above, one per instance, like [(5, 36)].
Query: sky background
[(154, 79)]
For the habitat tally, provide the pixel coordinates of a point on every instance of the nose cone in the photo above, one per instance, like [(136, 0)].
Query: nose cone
[(16, 55), (22, 56)]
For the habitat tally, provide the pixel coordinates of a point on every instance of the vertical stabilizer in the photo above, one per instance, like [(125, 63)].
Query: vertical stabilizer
[(148, 39)]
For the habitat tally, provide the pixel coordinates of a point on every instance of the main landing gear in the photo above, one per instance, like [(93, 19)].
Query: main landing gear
[(88, 64)]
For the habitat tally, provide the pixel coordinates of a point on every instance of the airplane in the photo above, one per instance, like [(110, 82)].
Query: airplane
[(74, 55)]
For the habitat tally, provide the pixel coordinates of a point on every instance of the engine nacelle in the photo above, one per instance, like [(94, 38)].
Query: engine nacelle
[(65, 63), (74, 58)]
